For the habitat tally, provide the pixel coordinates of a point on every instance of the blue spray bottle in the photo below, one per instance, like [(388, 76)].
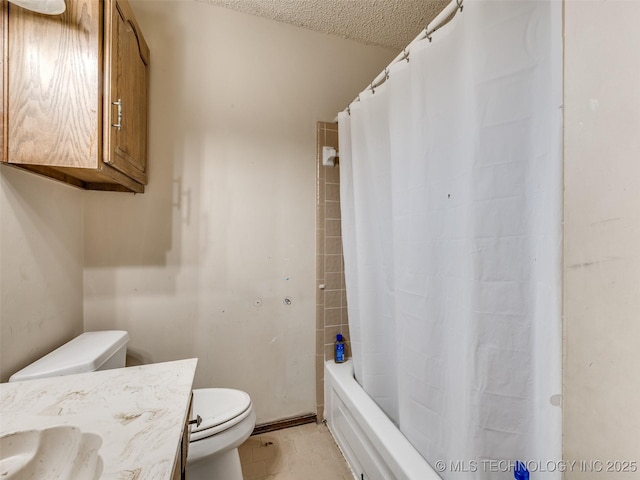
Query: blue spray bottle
[(520, 471), (339, 349)]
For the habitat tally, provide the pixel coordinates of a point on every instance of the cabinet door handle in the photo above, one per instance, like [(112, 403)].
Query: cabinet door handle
[(119, 105)]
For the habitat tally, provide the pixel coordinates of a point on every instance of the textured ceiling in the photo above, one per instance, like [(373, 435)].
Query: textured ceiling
[(385, 23)]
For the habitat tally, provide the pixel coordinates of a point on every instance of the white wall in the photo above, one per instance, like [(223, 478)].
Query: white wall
[(602, 236), (41, 261), (201, 264)]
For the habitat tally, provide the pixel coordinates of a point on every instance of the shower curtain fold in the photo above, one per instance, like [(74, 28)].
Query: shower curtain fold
[(451, 191)]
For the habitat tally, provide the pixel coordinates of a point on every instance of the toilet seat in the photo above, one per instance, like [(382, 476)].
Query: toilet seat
[(220, 409)]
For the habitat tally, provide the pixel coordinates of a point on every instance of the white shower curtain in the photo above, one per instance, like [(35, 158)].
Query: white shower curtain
[(451, 190)]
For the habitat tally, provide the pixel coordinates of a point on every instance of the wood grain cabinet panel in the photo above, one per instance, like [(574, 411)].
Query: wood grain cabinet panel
[(3, 71), (76, 94), (180, 466)]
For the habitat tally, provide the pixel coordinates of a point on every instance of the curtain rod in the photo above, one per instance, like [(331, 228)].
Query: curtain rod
[(449, 11)]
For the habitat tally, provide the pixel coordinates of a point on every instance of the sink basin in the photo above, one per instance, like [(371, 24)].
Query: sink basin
[(61, 452)]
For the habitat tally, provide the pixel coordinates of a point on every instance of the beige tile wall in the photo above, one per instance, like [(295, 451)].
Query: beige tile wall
[(331, 301)]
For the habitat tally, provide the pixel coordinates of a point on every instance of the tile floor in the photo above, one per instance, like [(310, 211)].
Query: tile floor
[(306, 452)]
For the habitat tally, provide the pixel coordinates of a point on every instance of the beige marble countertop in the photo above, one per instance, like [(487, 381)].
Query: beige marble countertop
[(138, 411)]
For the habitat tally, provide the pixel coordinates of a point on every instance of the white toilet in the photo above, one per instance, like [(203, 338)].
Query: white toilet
[(228, 419), (88, 352), (227, 415)]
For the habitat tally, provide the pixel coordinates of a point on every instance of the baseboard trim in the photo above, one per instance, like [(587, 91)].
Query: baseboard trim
[(285, 423)]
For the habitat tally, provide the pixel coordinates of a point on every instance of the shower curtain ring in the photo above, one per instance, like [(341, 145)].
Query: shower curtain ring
[(386, 73), (459, 2), (405, 55), (373, 89)]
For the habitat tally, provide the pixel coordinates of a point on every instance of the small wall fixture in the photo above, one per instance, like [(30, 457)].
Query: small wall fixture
[(329, 156), (48, 7)]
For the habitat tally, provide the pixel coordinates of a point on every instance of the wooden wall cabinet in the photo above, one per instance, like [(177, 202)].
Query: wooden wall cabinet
[(75, 94), (3, 80)]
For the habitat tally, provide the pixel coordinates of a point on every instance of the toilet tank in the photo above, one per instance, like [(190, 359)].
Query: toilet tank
[(88, 352)]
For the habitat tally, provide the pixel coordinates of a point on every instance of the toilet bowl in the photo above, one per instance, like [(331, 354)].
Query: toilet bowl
[(228, 419), (227, 415)]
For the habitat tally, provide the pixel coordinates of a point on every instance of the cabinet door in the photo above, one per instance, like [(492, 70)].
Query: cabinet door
[(53, 104), (126, 122)]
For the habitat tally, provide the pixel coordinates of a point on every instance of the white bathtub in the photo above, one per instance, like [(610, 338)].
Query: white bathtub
[(373, 446)]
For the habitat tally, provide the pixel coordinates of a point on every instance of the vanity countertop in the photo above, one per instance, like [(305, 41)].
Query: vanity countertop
[(138, 411)]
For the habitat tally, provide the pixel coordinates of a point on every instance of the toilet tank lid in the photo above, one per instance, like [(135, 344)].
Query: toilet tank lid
[(85, 353)]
